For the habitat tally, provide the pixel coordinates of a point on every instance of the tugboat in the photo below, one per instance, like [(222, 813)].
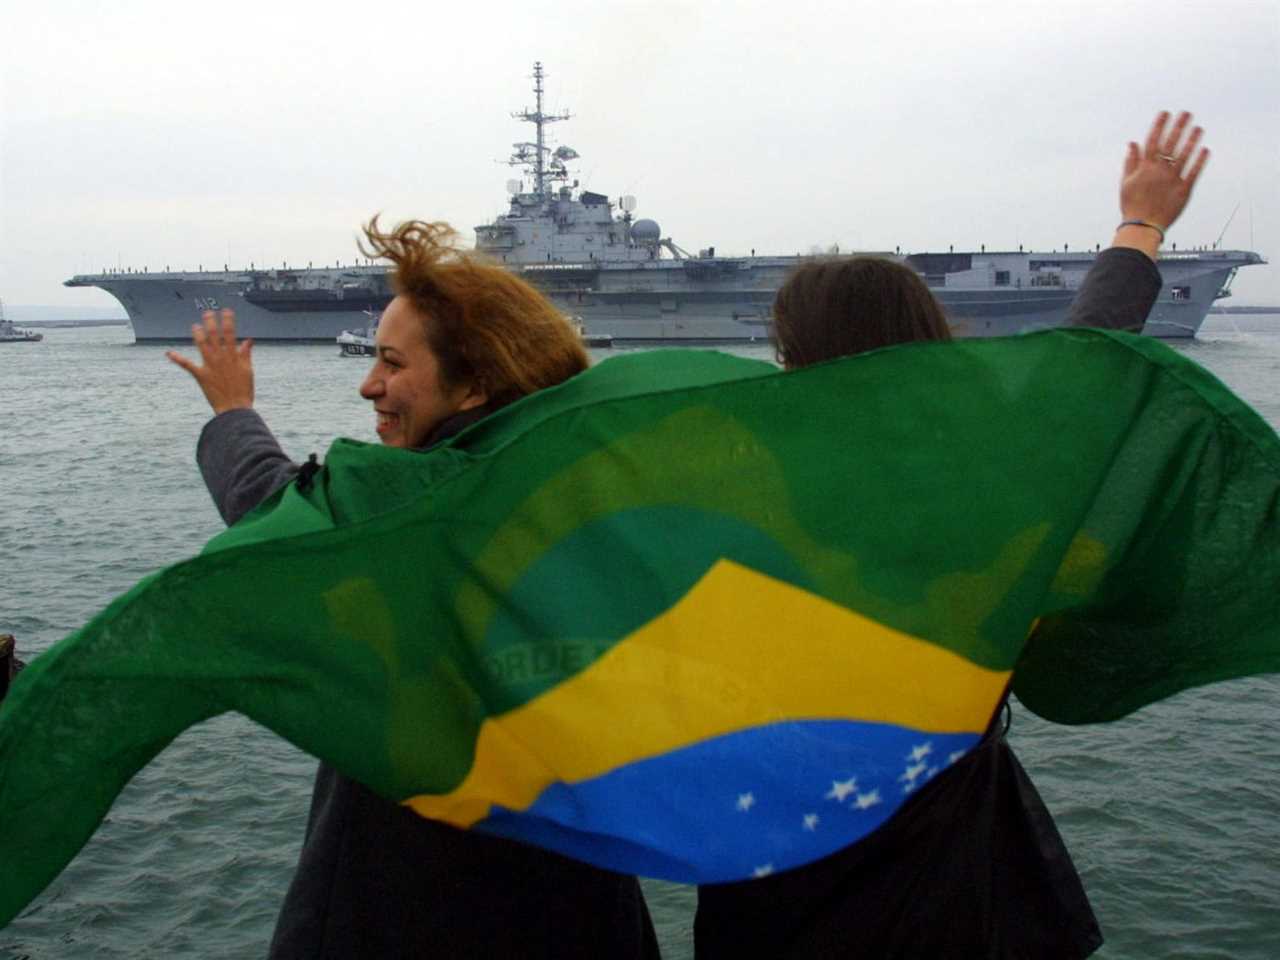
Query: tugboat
[(11, 334), (360, 342)]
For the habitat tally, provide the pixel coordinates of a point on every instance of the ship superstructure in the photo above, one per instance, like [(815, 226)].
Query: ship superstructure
[(619, 278)]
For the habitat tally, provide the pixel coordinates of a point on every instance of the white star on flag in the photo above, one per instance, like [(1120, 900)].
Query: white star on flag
[(841, 789), (912, 772), (865, 800), (810, 821), (762, 871), (746, 801)]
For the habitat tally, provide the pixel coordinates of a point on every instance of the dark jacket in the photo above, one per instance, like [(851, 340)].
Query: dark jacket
[(374, 879), (972, 865), (1118, 291)]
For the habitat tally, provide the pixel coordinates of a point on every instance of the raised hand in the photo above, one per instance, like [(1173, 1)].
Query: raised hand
[(226, 376), (1158, 177)]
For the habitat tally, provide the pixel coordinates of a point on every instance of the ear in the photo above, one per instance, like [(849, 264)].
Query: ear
[(473, 395)]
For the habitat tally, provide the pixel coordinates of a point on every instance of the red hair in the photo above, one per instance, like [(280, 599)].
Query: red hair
[(486, 325)]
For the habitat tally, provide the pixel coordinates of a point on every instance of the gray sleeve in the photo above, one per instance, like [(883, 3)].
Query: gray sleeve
[(241, 462), (1118, 291)]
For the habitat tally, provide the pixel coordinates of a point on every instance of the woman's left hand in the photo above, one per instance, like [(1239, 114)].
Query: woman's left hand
[(1158, 178), (226, 377)]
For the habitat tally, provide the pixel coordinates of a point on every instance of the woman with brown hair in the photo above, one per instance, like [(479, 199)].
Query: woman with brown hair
[(461, 339), (878, 303), (972, 865)]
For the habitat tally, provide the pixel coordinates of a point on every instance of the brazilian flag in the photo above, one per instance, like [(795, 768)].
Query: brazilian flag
[(690, 617)]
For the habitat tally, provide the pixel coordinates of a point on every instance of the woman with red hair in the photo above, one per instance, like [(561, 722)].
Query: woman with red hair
[(461, 339)]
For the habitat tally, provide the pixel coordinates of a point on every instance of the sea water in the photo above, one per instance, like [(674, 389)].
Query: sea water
[(1172, 815)]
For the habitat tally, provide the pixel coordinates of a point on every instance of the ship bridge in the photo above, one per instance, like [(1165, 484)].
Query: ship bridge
[(556, 223)]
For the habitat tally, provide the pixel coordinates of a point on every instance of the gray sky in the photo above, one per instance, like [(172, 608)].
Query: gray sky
[(143, 133)]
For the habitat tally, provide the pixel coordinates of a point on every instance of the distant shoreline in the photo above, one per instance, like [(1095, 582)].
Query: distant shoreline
[(1213, 310), (108, 322)]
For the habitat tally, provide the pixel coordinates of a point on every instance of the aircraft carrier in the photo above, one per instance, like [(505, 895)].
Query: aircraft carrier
[(621, 279)]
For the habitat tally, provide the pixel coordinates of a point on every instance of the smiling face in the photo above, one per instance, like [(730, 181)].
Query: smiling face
[(409, 393)]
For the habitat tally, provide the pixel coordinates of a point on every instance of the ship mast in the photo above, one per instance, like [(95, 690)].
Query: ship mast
[(534, 154)]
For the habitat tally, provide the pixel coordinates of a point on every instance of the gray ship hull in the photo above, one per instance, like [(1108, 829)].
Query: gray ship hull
[(162, 306), (701, 301), (997, 294)]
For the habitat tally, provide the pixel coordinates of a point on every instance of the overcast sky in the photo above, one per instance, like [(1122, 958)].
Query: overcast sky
[(141, 133)]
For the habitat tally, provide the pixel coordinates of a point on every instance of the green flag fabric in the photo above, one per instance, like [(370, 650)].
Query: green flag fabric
[(683, 587)]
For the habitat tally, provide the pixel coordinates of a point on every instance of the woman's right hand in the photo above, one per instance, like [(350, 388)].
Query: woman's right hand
[(226, 376)]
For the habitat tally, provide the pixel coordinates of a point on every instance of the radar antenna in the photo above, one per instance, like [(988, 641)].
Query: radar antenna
[(533, 155), (1217, 243)]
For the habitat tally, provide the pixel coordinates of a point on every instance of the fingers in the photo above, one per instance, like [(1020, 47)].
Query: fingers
[(205, 332), (228, 327), (182, 362), (1170, 146), (1196, 167), (246, 348), (1131, 158), (1189, 149), (215, 333), (201, 332), (1156, 134)]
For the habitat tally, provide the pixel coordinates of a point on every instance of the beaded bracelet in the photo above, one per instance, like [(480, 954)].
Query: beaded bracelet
[(1143, 223)]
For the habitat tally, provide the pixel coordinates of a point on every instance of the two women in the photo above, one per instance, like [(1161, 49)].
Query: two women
[(972, 865)]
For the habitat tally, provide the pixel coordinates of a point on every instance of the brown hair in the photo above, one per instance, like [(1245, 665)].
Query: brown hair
[(487, 326), (841, 306)]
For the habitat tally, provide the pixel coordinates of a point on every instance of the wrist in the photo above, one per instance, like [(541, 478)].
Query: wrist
[(225, 407), (1138, 237), (1146, 224)]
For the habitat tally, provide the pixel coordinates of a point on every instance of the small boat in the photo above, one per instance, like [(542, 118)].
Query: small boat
[(360, 342), (353, 343), (11, 334)]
